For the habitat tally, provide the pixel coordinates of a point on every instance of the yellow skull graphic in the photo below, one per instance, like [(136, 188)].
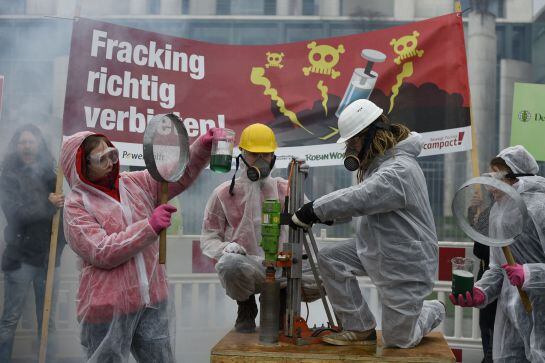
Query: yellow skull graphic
[(322, 59), (274, 60), (405, 47)]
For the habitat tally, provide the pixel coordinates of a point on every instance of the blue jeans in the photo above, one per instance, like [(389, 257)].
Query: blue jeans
[(16, 286)]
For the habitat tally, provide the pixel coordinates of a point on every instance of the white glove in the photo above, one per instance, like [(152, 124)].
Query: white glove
[(234, 247)]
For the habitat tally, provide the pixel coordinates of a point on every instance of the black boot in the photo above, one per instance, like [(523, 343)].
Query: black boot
[(247, 312)]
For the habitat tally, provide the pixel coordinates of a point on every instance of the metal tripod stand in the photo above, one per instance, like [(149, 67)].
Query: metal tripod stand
[(295, 328)]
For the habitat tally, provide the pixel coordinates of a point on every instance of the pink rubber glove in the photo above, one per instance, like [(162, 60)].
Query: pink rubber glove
[(207, 138), (160, 218), (477, 299), (515, 274)]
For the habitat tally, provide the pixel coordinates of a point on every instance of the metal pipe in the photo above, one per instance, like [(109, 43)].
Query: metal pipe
[(269, 309)]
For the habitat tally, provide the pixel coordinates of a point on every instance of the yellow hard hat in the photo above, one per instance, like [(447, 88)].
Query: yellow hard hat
[(258, 138)]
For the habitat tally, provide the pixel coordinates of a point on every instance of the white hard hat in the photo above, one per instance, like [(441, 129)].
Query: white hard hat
[(356, 117)]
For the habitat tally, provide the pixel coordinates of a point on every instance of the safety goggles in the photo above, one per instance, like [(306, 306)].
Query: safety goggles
[(101, 160)]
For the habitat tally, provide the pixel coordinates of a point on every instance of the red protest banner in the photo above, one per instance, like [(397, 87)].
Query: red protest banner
[(120, 77)]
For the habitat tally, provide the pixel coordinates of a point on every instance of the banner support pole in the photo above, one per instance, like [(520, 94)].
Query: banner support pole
[(50, 280)]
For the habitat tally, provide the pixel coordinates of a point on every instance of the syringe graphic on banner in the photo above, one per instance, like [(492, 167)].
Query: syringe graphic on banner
[(363, 79)]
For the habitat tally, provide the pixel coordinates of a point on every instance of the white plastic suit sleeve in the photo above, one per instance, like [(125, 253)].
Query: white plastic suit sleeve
[(534, 278), (91, 242), (213, 230), (491, 283), (381, 192)]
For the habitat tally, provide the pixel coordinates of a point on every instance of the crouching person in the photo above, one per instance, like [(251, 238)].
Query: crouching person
[(231, 229)]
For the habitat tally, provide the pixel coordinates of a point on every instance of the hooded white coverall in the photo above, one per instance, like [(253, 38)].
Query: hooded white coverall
[(395, 245), (519, 336)]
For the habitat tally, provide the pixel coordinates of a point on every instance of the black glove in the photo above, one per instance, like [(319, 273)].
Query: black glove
[(304, 217)]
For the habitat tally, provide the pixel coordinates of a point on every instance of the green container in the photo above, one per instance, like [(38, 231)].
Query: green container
[(270, 218), (220, 163), (462, 282), (271, 206), (270, 247), (267, 241), (270, 230)]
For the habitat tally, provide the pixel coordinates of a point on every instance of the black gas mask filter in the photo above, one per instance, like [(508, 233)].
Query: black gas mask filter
[(352, 156), (260, 170)]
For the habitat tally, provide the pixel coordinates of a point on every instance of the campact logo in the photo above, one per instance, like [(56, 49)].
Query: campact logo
[(525, 115), (448, 141)]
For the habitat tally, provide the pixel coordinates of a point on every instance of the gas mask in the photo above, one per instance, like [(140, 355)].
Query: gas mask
[(260, 170), (352, 156), (351, 160)]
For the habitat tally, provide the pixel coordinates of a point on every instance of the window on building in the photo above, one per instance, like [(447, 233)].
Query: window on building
[(246, 7), (257, 33), (368, 8), (12, 7), (519, 41), (223, 7), (496, 7), (154, 7), (431, 8), (185, 7), (309, 7), (500, 42), (269, 7)]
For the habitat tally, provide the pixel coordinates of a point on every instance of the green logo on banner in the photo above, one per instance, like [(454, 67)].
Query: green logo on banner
[(528, 118), (525, 115)]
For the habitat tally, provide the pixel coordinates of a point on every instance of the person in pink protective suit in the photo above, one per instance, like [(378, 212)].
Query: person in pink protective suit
[(112, 221)]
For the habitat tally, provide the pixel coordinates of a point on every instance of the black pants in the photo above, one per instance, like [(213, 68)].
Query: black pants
[(487, 315), (144, 334)]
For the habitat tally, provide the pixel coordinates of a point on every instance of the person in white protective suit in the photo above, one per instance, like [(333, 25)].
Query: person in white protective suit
[(231, 229), (396, 243), (518, 336), (112, 222)]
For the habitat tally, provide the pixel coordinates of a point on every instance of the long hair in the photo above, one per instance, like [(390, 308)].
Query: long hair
[(382, 141), (44, 158)]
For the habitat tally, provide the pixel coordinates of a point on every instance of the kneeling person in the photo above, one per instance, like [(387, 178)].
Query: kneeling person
[(396, 243)]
